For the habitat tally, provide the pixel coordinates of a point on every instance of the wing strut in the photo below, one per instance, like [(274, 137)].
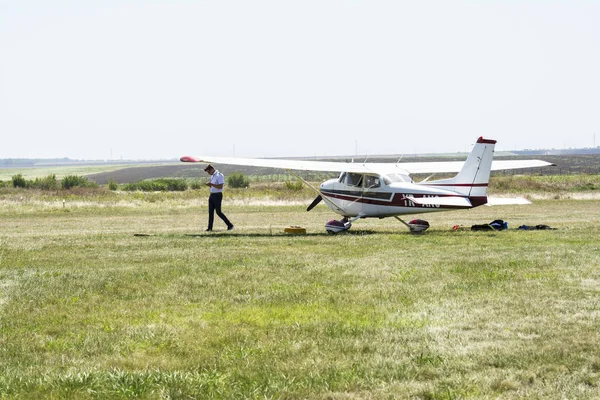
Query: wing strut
[(325, 199)]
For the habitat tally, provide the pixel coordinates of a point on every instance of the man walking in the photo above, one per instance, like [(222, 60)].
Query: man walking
[(217, 181)]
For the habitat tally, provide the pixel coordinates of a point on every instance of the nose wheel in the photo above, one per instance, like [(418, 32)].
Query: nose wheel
[(337, 226)]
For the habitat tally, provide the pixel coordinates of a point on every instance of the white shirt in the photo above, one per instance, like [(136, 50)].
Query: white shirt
[(217, 179)]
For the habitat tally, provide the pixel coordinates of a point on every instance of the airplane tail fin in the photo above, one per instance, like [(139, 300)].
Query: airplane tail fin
[(473, 178)]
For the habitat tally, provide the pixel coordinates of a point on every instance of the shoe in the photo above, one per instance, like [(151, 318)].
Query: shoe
[(230, 227), (209, 230)]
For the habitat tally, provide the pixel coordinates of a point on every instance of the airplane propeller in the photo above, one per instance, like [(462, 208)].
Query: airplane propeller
[(316, 201)]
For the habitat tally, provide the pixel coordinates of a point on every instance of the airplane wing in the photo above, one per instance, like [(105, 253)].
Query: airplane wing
[(302, 165), (380, 168)]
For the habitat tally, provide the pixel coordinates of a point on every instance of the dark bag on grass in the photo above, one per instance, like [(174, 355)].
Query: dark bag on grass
[(540, 227), (496, 225)]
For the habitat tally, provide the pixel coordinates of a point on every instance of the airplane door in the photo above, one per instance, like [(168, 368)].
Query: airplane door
[(371, 184)]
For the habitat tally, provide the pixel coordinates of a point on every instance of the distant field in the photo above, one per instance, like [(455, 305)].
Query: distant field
[(60, 171), (89, 310), (139, 173), (581, 164), (566, 165)]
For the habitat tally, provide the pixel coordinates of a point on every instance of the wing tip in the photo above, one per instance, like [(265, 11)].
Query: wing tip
[(188, 159)]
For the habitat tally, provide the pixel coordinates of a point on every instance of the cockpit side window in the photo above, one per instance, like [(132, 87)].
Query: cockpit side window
[(372, 181), (353, 179)]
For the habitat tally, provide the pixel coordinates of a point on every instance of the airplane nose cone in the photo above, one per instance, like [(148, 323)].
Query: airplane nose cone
[(326, 184)]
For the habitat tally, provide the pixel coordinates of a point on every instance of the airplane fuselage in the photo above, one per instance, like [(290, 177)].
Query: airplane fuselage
[(375, 196)]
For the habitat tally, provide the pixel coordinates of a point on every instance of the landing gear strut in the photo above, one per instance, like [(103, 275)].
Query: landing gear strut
[(415, 225)]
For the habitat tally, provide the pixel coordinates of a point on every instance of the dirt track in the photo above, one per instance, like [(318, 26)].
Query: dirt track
[(135, 174)]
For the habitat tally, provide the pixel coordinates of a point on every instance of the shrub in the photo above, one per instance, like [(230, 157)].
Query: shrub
[(130, 187), (586, 187), (157, 185), (71, 181), (296, 186), (152, 186), (237, 180), (19, 181), (174, 185), (196, 185), (112, 185), (145, 186), (47, 183)]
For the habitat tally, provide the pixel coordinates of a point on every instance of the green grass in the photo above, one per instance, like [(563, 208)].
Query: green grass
[(88, 310)]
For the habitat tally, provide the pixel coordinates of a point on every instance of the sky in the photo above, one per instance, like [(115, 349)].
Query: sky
[(133, 79)]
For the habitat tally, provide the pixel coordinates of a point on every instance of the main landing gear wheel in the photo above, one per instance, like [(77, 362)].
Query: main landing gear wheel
[(415, 225)]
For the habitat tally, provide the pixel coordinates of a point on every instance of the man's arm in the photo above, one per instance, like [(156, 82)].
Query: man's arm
[(220, 182)]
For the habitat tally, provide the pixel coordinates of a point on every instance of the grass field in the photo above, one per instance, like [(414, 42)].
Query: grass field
[(90, 310)]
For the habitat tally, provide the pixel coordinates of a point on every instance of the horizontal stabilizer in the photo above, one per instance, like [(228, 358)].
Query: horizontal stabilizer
[(456, 166), (505, 201), (441, 201), (500, 165)]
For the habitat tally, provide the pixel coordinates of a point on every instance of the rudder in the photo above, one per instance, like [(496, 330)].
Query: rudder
[(473, 178)]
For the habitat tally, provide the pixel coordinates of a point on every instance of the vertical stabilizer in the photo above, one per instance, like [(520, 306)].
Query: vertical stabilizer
[(473, 178)]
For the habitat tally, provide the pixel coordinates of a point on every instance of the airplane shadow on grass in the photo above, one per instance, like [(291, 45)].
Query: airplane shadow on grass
[(365, 232), (281, 234), (361, 232), (258, 235)]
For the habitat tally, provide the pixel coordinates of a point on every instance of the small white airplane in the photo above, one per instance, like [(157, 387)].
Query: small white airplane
[(380, 190)]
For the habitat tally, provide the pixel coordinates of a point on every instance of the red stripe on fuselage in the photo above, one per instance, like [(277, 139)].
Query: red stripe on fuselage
[(400, 200), (455, 184)]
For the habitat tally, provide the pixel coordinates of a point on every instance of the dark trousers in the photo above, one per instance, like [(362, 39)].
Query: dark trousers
[(214, 204)]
